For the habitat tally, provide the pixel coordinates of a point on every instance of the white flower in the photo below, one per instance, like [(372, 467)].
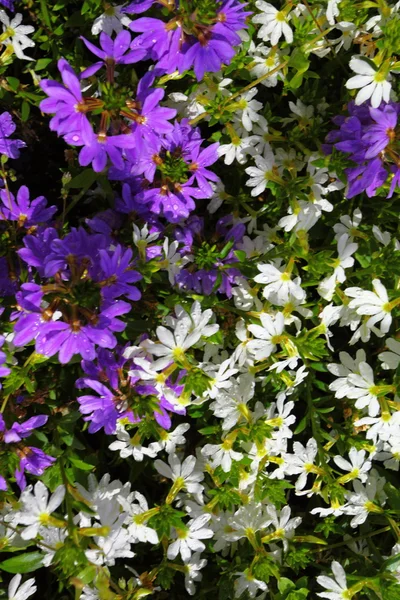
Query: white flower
[(173, 261), (332, 11), (362, 501), (130, 446), (382, 427), (278, 284), (241, 355), (238, 149), (116, 545), (374, 303), (192, 568), (348, 225), (246, 582), (247, 521), (248, 109), (221, 455), (219, 377), (89, 593), (37, 508), (185, 475), (111, 20), (267, 335), (188, 330), (302, 462), (231, 405), (267, 61), (188, 539), (357, 468), (261, 173), (274, 23), (53, 539), (245, 297), (383, 237), (337, 588), (284, 526), (372, 82), (137, 528), (345, 41), (279, 416), (15, 592), (169, 440), (391, 359), (362, 387), (142, 237), (344, 261), (17, 34)]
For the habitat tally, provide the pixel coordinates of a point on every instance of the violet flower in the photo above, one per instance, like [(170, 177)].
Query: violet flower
[(32, 460), (112, 52), (66, 102), (202, 38), (117, 275), (4, 371), (369, 136), (25, 212), (9, 147)]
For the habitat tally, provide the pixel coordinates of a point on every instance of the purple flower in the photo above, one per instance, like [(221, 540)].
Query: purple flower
[(38, 248), (138, 6), (9, 147), (113, 52), (98, 148), (75, 337), (4, 371), (8, 4), (379, 135), (67, 103), (19, 431), (103, 410), (25, 212), (34, 461), (369, 136), (118, 275), (202, 37), (8, 283)]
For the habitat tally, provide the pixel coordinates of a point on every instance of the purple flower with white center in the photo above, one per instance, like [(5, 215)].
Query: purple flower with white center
[(27, 213), (4, 371), (112, 52), (67, 103), (9, 147), (118, 275), (369, 136)]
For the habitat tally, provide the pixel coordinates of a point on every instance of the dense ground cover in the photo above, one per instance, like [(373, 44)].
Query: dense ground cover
[(199, 299)]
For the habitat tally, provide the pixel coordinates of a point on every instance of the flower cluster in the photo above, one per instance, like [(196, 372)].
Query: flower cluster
[(200, 299)]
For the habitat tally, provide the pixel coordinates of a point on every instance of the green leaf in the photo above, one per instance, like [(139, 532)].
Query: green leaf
[(42, 63), (80, 464), (84, 180), (285, 585), (45, 13), (25, 110), (24, 563)]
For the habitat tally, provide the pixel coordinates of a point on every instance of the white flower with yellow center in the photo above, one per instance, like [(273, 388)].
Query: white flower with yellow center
[(274, 23), (372, 83)]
